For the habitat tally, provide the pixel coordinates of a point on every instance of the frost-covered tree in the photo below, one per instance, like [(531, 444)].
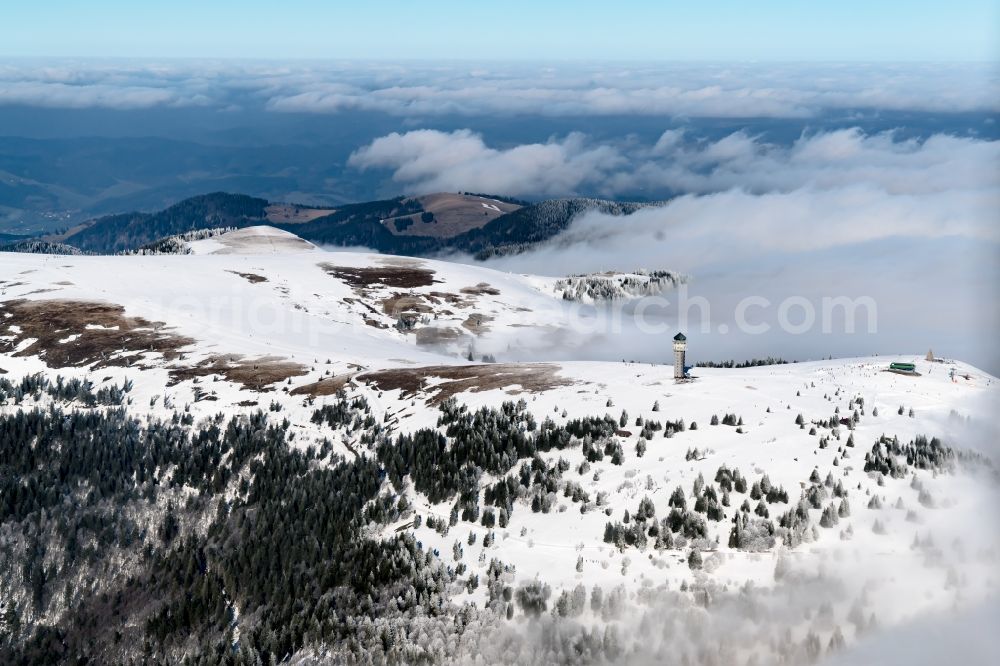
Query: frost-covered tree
[(646, 509), (677, 499), (532, 598), (829, 517)]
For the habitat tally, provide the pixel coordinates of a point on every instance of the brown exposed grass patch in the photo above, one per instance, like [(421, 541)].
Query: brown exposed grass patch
[(410, 303), (114, 339), (481, 289), (101, 335), (256, 374), (440, 382), (453, 299), (325, 386), (352, 301), (437, 335), (252, 278), (399, 303), (402, 277), (477, 323), (453, 214)]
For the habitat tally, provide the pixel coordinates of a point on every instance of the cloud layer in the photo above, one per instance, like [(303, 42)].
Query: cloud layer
[(432, 160), (673, 90), (928, 264)]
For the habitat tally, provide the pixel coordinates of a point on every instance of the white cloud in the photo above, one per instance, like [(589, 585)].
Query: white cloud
[(104, 84), (927, 263), (431, 160), (63, 96), (962, 636), (823, 161), (735, 221), (697, 90), (666, 89)]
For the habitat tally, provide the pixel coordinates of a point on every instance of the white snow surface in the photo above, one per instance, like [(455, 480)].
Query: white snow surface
[(301, 313), (252, 240)]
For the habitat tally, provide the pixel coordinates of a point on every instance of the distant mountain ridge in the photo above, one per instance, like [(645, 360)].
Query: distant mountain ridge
[(130, 231), (477, 224)]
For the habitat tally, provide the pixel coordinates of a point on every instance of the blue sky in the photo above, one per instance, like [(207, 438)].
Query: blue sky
[(797, 30)]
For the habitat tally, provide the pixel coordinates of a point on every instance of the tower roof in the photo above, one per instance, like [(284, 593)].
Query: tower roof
[(680, 337)]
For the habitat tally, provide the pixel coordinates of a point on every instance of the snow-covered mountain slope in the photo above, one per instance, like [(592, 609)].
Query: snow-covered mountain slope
[(256, 292), (614, 475)]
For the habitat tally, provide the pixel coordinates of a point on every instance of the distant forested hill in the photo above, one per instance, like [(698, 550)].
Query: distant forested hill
[(536, 223), (128, 231), (373, 224)]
